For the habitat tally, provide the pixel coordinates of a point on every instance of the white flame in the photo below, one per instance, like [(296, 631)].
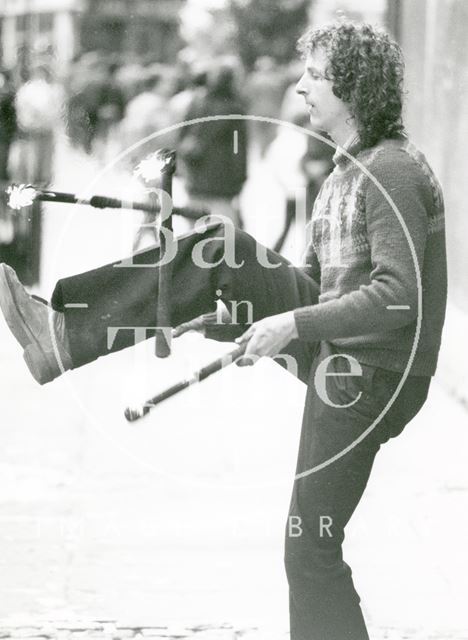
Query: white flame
[(150, 168), (22, 195)]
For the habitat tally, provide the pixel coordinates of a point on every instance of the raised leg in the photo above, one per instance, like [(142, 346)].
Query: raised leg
[(124, 296)]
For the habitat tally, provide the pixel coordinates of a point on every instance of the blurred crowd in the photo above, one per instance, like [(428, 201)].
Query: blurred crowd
[(106, 106)]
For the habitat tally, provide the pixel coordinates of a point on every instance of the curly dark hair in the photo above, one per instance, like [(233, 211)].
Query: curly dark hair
[(366, 68)]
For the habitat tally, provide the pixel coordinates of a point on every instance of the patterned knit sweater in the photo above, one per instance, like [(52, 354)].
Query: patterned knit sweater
[(378, 252)]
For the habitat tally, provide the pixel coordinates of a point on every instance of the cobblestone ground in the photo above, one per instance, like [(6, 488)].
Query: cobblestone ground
[(114, 630)]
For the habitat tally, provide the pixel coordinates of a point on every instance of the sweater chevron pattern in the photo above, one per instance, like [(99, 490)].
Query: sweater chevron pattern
[(378, 249)]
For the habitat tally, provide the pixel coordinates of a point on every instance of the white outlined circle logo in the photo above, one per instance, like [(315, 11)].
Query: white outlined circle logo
[(367, 173)]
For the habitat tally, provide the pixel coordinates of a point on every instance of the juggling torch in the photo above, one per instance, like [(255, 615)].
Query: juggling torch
[(162, 162)]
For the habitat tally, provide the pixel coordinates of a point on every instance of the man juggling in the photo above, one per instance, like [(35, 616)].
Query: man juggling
[(363, 316)]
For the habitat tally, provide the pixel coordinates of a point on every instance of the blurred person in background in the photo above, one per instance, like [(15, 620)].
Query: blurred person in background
[(8, 124), (110, 111), (39, 108), (145, 114), (214, 153), (143, 111), (264, 90), (7, 134), (129, 76), (149, 111), (87, 78), (77, 117), (191, 86)]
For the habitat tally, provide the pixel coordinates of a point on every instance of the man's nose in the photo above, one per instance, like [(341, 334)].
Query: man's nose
[(300, 88)]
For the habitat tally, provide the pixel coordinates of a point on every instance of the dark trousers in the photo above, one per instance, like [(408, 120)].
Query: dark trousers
[(125, 296), (333, 463)]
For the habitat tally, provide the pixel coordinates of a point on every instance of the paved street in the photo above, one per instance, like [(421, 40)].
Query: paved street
[(172, 527)]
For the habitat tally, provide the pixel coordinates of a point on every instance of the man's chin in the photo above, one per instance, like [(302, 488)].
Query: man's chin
[(315, 122), (316, 125)]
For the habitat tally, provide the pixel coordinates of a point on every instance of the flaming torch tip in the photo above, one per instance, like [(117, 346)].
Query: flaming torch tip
[(151, 167), (20, 195)]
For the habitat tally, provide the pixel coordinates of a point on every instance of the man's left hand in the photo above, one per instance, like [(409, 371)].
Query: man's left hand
[(267, 337)]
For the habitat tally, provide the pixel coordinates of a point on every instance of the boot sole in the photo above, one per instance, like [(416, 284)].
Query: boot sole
[(42, 375), (14, 321), (32, 351)]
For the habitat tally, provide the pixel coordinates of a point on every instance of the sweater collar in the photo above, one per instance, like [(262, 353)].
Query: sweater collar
[(351, 146)]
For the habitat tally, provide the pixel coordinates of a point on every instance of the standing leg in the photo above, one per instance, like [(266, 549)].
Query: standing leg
[(324, 604)]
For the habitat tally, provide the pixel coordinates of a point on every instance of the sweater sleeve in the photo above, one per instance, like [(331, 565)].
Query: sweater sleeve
[(395, 241)]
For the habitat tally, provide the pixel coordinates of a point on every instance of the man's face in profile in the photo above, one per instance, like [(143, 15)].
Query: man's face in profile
[(326, 111)]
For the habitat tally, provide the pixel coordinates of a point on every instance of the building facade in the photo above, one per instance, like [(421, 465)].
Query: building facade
[(63, 29), (432, 34)]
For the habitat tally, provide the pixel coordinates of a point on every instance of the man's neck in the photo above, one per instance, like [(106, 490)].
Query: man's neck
[(344, 133)]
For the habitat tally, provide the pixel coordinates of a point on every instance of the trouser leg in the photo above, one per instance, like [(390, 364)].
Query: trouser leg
[(333, 471), (126, 296)]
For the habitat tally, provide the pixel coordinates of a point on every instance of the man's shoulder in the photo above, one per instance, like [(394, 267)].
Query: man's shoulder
[(399, 154), (398, 162)]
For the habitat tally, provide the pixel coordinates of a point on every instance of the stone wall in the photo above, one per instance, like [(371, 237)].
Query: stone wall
[(433, 37)]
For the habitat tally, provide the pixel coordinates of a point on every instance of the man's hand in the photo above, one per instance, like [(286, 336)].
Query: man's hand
[(217, 321), (267, 337), (197, 324)]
